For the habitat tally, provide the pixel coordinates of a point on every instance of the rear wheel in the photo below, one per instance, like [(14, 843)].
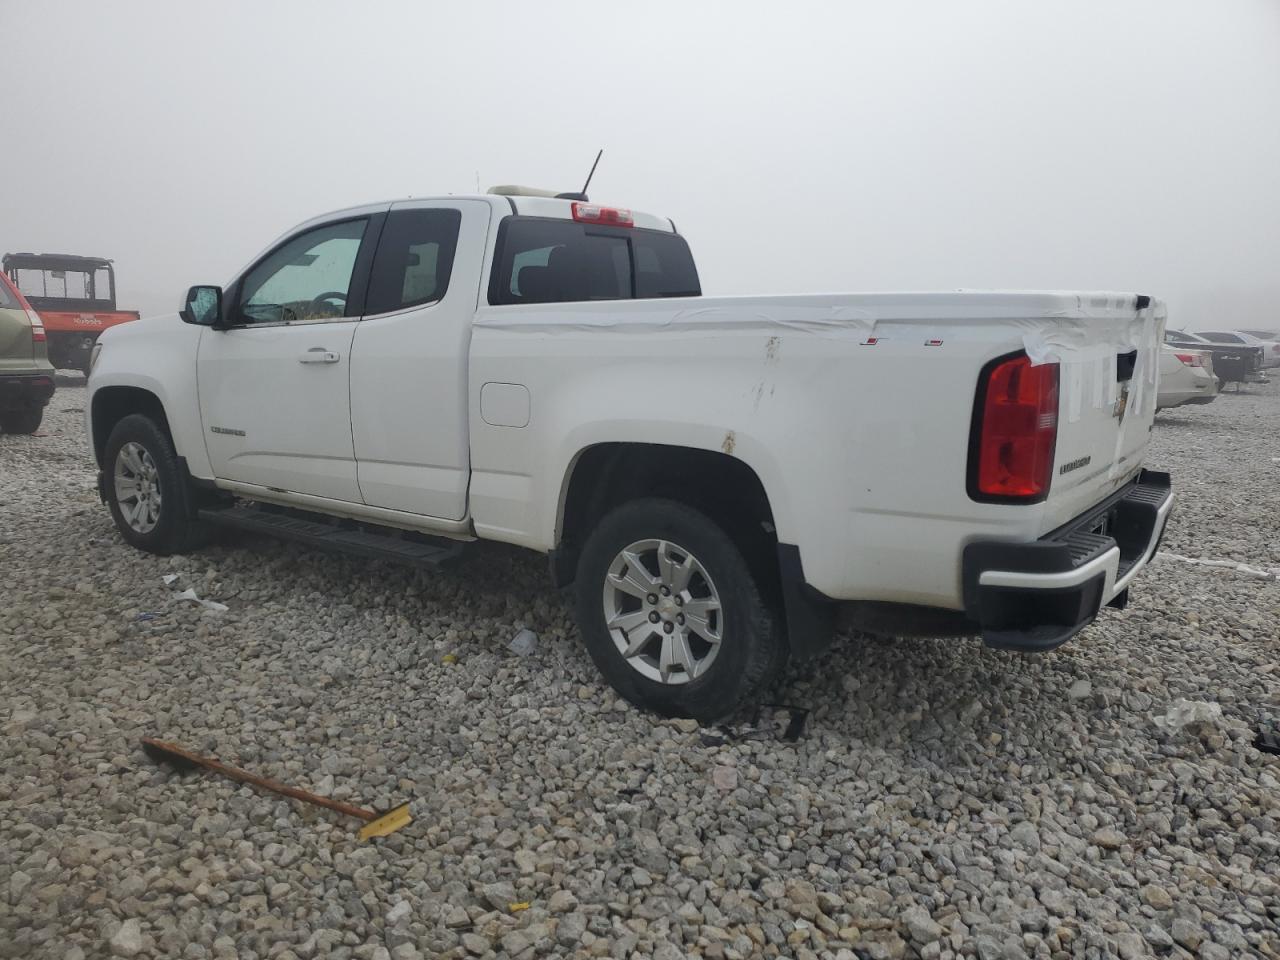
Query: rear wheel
[(146, 489), (672, 613), (22, 420)]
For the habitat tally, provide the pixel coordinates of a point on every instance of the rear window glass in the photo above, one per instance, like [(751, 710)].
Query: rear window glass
[(560, 261), (414, 259), (7, 300), (664, 266)]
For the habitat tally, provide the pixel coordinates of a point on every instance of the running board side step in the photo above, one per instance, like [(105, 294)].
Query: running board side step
[(327, 536)]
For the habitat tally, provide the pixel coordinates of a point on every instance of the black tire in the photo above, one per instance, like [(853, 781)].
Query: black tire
[(174, 530), (753, 645), (22, 420)]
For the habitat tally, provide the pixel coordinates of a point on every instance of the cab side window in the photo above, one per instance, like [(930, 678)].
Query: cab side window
[(414, 259), (306, 278)]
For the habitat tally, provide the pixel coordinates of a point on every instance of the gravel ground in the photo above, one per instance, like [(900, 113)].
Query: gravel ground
[(944, 799)]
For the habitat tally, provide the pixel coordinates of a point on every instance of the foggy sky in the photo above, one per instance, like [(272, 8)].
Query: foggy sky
[(801, 147)]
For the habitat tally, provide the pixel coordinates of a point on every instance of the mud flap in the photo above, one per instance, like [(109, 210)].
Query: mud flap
[(811, 616)]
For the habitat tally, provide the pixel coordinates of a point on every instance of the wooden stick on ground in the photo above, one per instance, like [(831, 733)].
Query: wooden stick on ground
[(377, 824)]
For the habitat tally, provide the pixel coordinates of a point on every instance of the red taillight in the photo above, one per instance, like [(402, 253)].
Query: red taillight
[(594, 213), (1190, 359), (37, 326), (1275, 348), (1017, 430)]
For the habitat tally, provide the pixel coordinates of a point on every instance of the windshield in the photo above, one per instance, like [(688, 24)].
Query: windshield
[(70, 288), (64, 284)]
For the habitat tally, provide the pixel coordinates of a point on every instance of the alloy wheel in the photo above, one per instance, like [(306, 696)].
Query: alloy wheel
[(663, 611), (137, 485)]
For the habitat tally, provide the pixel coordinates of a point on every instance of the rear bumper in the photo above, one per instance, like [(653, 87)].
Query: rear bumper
[(1036, 596), (25, 389), (1177, 398)]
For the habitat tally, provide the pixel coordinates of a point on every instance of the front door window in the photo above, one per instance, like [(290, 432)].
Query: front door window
[(308, 278)]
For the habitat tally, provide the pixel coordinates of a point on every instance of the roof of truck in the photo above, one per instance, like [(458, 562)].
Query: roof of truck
[(53, 261), (531, 204)]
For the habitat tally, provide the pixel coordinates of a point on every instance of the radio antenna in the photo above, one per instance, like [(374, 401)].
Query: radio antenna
[(592, 173)]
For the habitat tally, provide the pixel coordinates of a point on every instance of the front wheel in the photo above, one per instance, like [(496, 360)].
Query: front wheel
[(23, 420), (146, 490), (672, 613)]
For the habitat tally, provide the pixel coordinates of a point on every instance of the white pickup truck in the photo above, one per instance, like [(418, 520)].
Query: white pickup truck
[(713, 476)]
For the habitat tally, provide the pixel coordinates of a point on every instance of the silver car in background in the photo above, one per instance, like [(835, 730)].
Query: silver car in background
[(1186, 376)]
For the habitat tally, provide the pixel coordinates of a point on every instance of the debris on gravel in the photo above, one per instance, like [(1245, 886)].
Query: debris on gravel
[(942, 800)]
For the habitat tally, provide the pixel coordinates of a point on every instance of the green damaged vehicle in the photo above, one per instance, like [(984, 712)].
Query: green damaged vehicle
[(26, 377)]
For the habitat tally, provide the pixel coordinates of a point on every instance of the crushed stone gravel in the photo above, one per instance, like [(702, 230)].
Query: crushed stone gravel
[(944, 799)]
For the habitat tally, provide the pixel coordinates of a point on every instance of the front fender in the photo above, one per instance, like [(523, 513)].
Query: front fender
[(157, 355)]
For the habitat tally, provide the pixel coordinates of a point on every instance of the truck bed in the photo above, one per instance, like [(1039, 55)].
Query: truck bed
[(855, 411)]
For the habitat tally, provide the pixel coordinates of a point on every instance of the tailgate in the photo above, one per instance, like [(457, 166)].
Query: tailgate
[(89, 322), (1108, 362), (17, 351)]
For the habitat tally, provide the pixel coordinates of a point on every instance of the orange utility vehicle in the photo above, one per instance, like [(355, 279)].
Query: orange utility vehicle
[(75, 298)]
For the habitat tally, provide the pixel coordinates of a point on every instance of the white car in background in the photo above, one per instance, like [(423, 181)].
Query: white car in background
[(1270, 347), (1186, 376)]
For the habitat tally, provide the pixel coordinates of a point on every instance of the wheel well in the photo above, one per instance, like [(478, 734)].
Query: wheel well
[(113, 404), (721, 486)]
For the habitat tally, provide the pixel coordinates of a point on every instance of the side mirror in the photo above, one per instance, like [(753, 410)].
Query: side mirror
[(203, 306)]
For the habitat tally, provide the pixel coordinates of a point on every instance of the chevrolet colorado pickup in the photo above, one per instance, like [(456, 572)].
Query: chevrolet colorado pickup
[(713, 476)]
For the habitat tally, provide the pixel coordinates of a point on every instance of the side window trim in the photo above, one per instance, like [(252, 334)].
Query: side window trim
[(356, 292), (359, 290)]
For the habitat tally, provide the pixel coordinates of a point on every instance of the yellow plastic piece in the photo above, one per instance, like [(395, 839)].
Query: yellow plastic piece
[(449, 658), (388, 823), (517, 907)]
